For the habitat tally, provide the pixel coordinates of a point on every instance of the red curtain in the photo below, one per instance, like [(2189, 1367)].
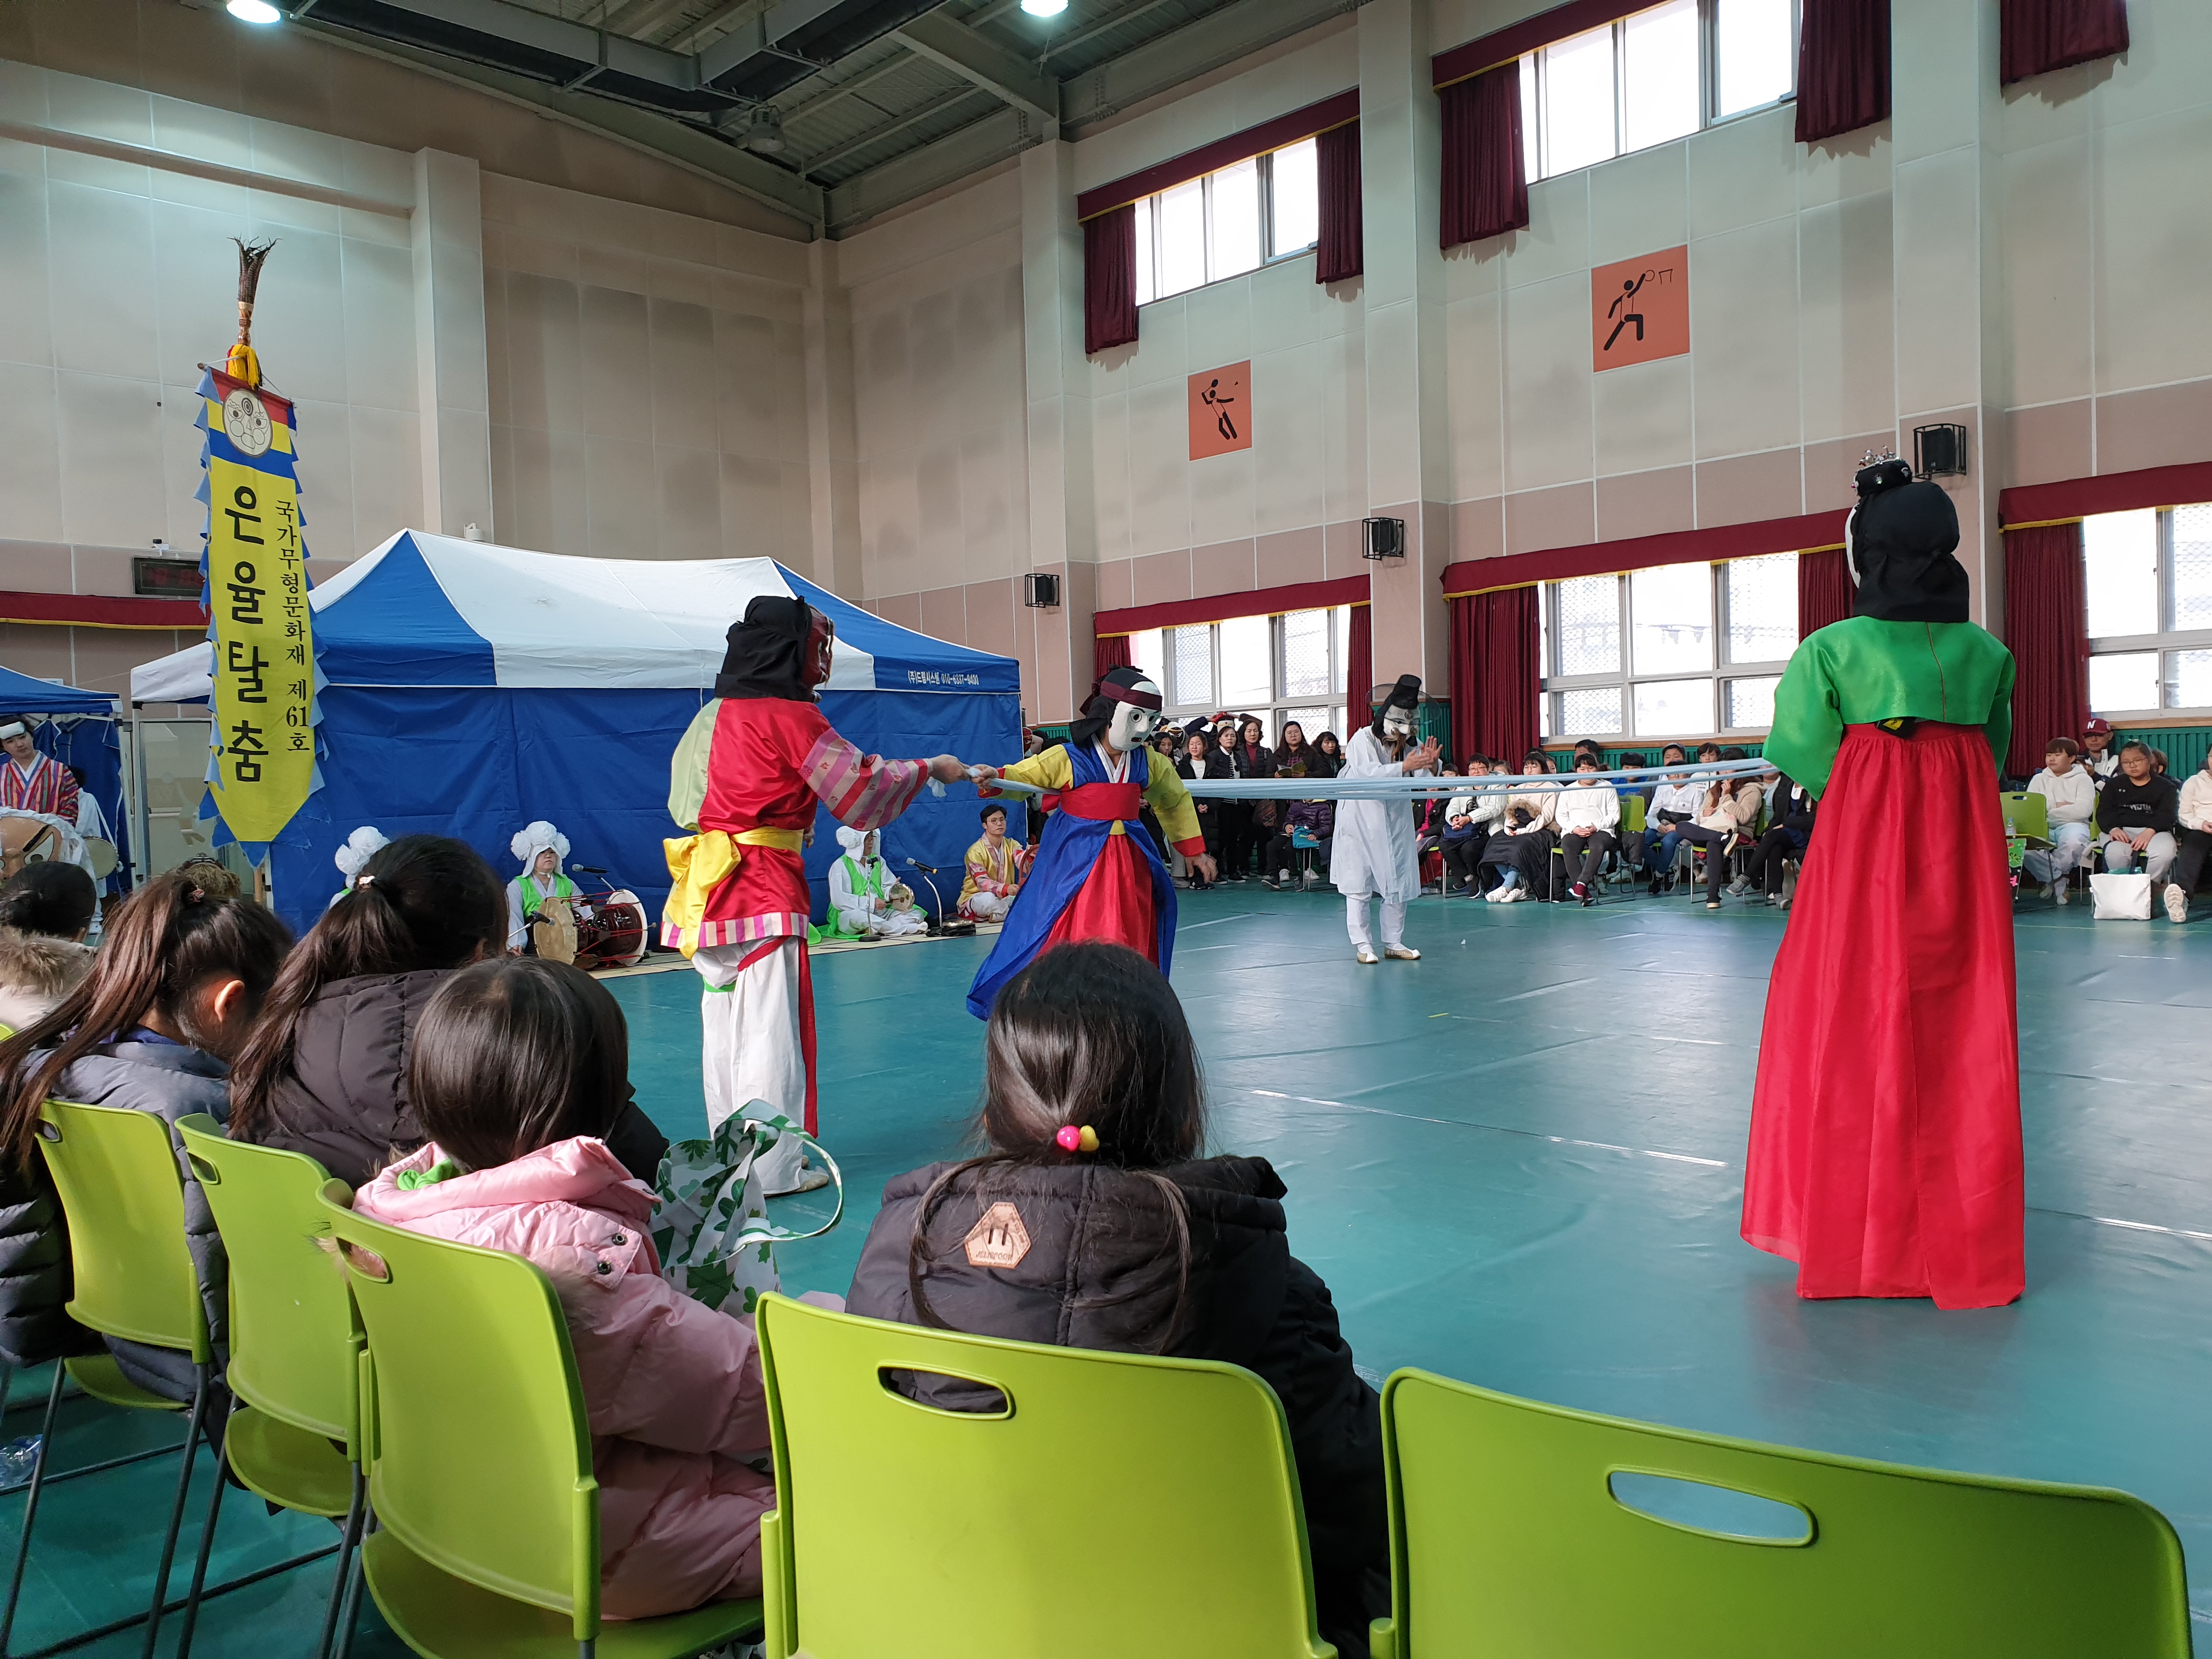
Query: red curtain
[(2047, 627), (1110, 279), (1485, 186), (1110, 652), (1342, 250), (1359, 670), (1824, 591), (2041, 36), (1843, 67), (1497, 673)]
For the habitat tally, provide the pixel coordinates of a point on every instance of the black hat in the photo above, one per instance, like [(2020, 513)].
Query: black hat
[(766, 654), (1900, 540)]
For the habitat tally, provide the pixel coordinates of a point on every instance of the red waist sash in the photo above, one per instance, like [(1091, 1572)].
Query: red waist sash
[(1102, 801)]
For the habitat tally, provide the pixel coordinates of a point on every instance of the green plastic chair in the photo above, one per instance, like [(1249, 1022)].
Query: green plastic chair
[(2026, 813), (1508, 1538), (116, 1173), (1118, 1505), (480, 1462), (293, 1435)]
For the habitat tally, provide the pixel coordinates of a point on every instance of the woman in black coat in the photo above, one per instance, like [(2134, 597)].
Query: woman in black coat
[(1201, 759), (1140, 1246)]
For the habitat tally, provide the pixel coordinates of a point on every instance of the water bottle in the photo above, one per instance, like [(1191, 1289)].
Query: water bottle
[(18, 1458)]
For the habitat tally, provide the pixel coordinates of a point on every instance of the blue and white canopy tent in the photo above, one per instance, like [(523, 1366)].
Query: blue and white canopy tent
[(79, 731), (470, 689)]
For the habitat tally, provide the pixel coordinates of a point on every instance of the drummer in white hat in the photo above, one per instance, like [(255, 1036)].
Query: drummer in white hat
[(540, 903)]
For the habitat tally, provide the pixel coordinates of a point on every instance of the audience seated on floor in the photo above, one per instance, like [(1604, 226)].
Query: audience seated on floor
[(1094, 1120), (517, 1066), (153, 1027), (1520, 848), (1586, 814), (2195, 813), (2140, 810), (2069, 789), (994, 867), (325, 1073)]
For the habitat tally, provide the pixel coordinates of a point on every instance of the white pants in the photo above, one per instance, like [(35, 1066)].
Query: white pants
[(2158, 856), (2069, 846), (751, 1049), (989, 907), (1393, 921)]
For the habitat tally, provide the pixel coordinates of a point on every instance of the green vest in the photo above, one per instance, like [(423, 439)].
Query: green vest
[(563, 889), (867, 879)]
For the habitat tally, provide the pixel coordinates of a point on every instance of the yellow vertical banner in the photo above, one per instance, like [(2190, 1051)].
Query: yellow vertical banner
[(263, 764)]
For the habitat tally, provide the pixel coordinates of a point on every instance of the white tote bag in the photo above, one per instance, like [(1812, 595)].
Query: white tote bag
[(712, 1231), (2121, 897)]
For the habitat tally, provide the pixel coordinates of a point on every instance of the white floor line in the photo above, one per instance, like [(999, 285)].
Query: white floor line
[(1456, 1123)]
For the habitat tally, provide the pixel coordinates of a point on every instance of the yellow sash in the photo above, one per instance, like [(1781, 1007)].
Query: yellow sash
[(699, 864)]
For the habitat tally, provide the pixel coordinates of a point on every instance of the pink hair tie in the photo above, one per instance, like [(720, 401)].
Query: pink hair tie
[(1078, 1139)]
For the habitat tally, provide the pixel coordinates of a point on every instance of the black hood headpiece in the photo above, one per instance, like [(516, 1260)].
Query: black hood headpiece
[(766, 654), (1407, 693), (1900, 540), (1114, 685)]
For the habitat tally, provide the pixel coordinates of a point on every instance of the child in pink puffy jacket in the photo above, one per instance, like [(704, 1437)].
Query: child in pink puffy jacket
[(517, 1065)]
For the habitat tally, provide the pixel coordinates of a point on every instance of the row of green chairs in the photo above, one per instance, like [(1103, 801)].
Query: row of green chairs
[(1112, 1504)]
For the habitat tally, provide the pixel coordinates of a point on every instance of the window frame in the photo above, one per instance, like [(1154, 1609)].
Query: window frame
[(1148, 225), (1279, 705), (1626, 679), (1534, 83), (2166, 642)]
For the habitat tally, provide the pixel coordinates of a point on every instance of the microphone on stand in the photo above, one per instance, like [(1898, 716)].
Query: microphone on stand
[(916, 864), (588, 869)]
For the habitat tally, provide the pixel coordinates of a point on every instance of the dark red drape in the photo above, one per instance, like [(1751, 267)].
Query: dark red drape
[(1485, 186), (1110, 279), (1824, 591), (1341, 251), (1112, 652), (2047, 628), (2041, 36), (1359, 670), (1843, 67), (1497, 673)]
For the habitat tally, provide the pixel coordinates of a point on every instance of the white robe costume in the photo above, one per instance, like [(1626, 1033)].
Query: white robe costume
[(861, 914), (1374, 852)]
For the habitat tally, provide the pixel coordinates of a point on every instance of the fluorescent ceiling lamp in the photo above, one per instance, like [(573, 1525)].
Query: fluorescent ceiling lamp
[(1044, 8), (255, 11)]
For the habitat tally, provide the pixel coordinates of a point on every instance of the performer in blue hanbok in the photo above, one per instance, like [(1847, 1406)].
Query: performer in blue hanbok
[(1097, 875)]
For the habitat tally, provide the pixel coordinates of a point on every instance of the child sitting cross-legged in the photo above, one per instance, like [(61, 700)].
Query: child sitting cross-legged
[(1094, 1120), (517, 1065)]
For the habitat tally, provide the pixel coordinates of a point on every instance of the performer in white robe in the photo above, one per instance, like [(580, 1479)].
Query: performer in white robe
[(1374, 855), (861, 890)]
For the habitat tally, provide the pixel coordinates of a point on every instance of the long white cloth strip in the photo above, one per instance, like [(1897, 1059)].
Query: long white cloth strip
[(1411, 789)]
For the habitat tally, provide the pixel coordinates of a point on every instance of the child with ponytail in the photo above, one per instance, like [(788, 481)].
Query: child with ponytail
[(1132, 1240)]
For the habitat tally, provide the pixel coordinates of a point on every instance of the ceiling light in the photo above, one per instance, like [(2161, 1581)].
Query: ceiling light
[(255, 11), (765, 135), (1044, 8)]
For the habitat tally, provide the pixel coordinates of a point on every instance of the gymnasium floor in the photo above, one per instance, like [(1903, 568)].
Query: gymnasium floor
[(1517, 1161)]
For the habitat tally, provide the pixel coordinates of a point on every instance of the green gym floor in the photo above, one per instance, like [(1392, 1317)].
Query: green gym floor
[(1516, 1161)]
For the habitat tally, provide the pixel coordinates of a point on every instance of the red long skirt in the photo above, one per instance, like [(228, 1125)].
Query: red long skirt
[(1115, 905), (1885, 1154)]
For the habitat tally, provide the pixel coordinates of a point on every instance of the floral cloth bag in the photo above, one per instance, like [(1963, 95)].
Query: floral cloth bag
[(712, 1231)]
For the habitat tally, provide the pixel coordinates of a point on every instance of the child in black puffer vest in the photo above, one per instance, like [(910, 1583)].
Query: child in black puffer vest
[(1138, 1242)]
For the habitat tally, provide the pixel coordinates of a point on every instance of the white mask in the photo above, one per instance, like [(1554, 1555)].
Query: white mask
[(1132, 727), (1398, 725)]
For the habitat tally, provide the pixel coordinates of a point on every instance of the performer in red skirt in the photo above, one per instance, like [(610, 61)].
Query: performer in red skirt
[(1885, 1155)]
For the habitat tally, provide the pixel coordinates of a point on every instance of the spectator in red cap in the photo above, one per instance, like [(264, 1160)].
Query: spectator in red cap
[(2098, 759)]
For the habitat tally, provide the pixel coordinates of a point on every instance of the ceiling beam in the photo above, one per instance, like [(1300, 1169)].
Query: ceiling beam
[(917, 172), (1218, 38), (876, 134), (1009, 79)]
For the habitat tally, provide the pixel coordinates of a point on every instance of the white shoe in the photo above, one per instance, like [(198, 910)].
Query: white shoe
[(1284, 877), (808, 1180), (1367, 957), (2059, 890), (1406, 953), (1497, 895), (1513, 896), (2177, 903)]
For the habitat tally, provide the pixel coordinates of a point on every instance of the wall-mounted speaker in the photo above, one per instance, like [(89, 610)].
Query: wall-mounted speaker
[(1386, 538), (1041, 590), (1939, 451)]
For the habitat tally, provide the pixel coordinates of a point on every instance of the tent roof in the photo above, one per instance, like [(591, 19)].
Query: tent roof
[(433, 610), (20, 694)]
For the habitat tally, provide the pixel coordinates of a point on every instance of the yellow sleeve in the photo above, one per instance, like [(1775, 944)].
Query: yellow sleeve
[(687, 771), (1050, 771), (1171, 805)]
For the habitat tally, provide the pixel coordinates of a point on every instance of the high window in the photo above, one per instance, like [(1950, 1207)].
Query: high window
[(1659, 75), (2148, 578), (1286, 667), (1677, 651), (1228, 223)]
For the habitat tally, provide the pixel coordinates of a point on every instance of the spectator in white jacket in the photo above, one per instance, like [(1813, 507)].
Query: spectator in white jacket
[(1587, 814), (1674, 803), (1468, 820), (2070, 799), (2195, 838)]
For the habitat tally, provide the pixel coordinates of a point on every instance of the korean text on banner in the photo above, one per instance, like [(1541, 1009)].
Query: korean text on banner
[(263, 705)]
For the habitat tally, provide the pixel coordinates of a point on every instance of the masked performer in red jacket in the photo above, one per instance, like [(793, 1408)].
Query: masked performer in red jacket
[(1096, 874), (748, 776), (1885, 1128)]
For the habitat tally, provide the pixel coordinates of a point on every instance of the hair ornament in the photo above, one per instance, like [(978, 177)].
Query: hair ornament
[(198, 894), (1077, 1137), (363, 880)]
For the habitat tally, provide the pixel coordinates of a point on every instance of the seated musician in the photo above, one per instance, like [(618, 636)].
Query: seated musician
[(995, 867), (542, 906)]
